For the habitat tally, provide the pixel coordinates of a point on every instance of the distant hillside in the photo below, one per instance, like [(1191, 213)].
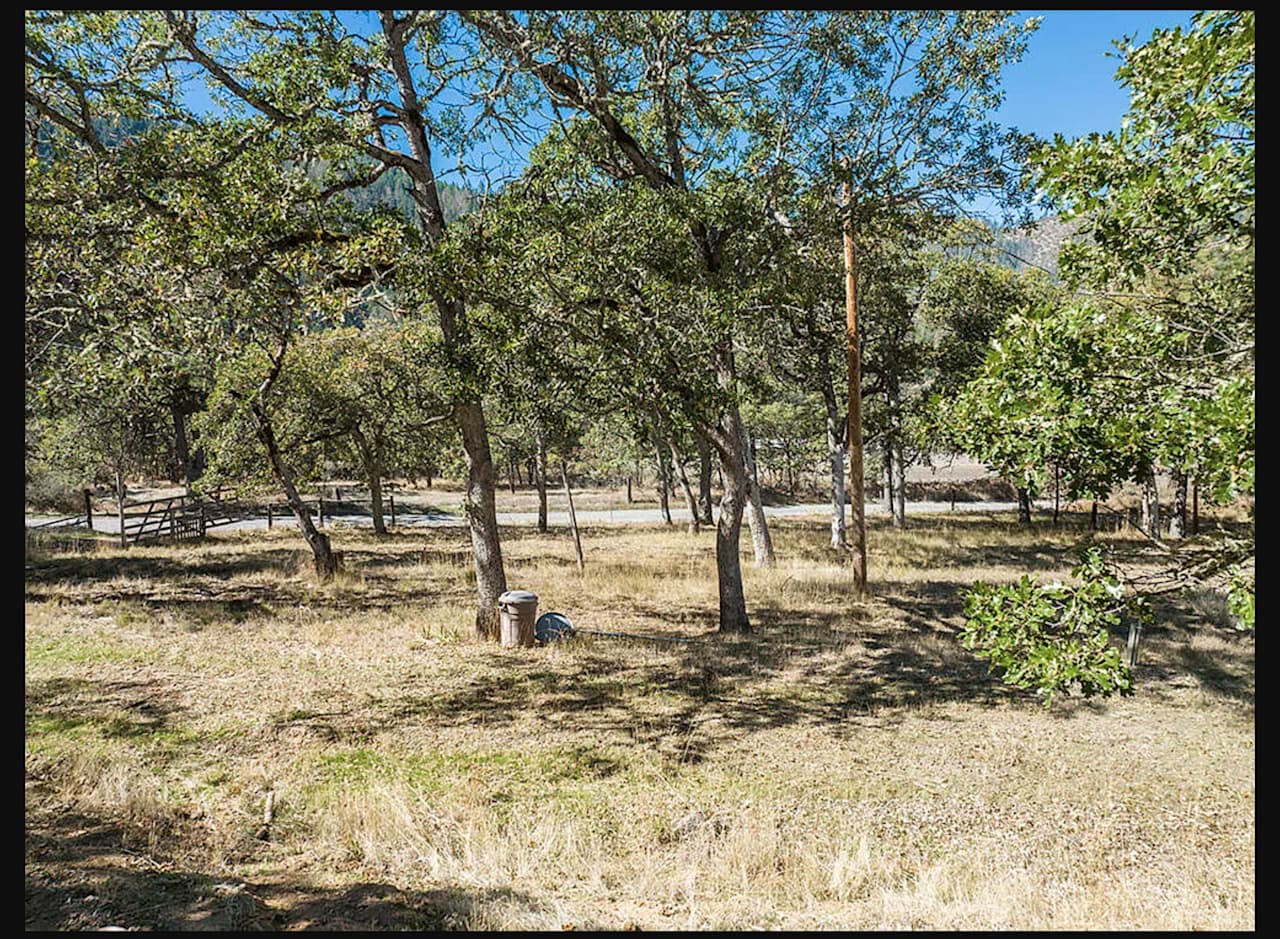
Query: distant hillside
[(391, 189), (1037, 244)]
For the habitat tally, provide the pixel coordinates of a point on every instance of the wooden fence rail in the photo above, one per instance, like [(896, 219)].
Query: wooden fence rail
[(185, 517)]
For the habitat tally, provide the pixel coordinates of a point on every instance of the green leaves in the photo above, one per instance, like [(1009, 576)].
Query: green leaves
[(1180, 172), (1240, 596), (1054, 637)]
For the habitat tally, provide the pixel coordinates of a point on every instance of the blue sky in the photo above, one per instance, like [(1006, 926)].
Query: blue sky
[(1065, 83)]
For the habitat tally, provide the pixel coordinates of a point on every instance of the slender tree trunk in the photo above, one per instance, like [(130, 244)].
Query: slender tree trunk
[(573, 516), (629, 499), (1093, 516), (704, 482), (124, 543), (197, 458), (1024, 506), (695, 523), (835, 453), (1195, 506), (900, 486), (1178, 520), (540, 474), (181, 447), (858, 520), (371, 456), (761, 542), (326, 563), (1055, 495), (886, 494), (895, 467), (1133, 643), (663, 480), (1151, 502)]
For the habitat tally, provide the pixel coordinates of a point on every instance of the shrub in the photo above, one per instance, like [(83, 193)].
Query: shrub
[(1054, 637)]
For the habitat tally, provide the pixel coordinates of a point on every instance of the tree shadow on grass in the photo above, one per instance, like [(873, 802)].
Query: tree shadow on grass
[(1185, 644), (84, 873), (825, 669), (222, 566), (878, 662), (118, 709)]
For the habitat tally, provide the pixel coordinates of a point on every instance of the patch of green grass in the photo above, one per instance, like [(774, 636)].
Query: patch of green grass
[(50, 650), (536, 773)]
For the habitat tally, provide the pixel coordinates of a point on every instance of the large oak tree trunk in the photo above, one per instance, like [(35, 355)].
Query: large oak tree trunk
[(371, 457), (733, 604), (482, 518), (727, 437)]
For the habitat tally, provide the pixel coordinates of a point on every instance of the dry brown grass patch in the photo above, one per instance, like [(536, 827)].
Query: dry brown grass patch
[(847, 765)]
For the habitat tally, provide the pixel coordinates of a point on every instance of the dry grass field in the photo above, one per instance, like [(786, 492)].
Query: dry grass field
[(848, 765)]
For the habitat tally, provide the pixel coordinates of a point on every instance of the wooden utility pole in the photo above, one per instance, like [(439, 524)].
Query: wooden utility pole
[(858, 527)]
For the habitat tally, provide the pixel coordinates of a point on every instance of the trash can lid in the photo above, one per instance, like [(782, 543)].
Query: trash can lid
[(552, 626), (518, 596)]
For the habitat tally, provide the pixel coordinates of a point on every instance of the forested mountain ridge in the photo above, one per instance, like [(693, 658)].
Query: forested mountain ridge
[(392, 189)]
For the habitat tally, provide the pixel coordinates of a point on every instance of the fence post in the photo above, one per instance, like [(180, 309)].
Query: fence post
[(88, 510), (202, 518), (268, 515), (393, 509)]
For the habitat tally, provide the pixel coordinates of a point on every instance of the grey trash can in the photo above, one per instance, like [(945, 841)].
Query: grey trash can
[(519, 609)]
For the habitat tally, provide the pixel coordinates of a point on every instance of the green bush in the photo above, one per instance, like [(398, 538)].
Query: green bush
[(1240, 596)]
